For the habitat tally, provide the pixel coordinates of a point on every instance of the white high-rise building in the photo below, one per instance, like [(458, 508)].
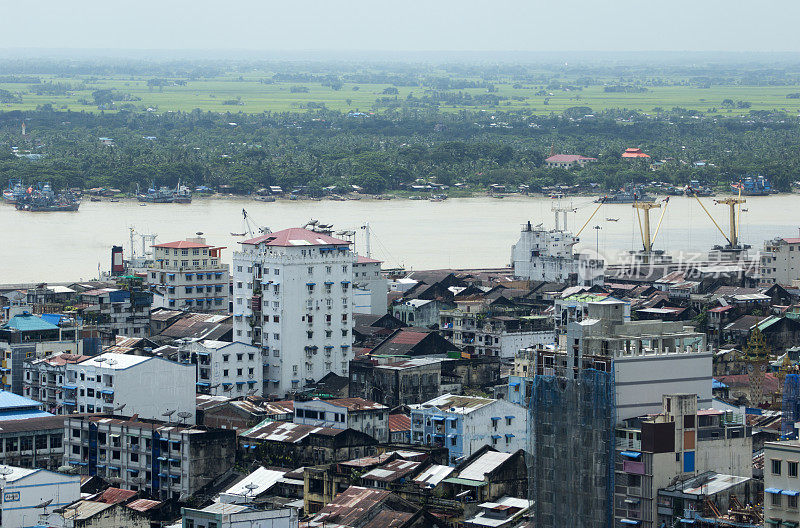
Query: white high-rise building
[(370, 287), (293, 297)]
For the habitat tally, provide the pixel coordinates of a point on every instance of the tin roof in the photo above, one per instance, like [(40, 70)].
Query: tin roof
[(391, 471), (485, 463), (454, 403), (182, 244), (286, 431), (433, 475), (115, 495), (255, 483), (143, 505), (399, 422), (28, 323)]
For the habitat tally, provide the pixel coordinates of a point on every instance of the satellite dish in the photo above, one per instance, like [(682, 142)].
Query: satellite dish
[(214, 386), (112, 361), (227, 388), (250, 487), (120, 407), (183, 415), (44, 504), (5, 470), (168, 413), (251, 392), (100, 359)]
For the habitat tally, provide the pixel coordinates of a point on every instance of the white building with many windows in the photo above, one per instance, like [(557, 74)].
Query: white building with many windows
[(293, 297), (189, 274), (780, 261), (147, 386), (231, 368)]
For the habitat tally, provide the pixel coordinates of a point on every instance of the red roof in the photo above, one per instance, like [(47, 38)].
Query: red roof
[(568, 158), (296, 236), (634, 153), (399, 422), (792, 240), (365, 260), (771, 382), (182, 244), (115, 496)]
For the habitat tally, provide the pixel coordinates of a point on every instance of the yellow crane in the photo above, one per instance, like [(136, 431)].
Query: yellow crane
[(734, 219)]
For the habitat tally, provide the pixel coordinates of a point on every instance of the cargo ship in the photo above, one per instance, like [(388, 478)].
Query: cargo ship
[(43, 198), (14, 192), (753, 186)]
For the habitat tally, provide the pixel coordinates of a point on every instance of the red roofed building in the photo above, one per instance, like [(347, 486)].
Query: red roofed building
[(634, 153), (189, 275), (567, 161), (293, 296)]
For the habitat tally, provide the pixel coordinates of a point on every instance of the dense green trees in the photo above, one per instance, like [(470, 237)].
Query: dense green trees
[(388, 150)]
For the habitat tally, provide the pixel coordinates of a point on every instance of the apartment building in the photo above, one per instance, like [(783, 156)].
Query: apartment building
[(650, 358), (345, 413), (142, 385), (237, 368), (124, 310), (464, 424), (493, 327), (43, 380), (780, 261), (293, 297), (781, 483), (189, 275), (26, 336), (164, 460), (679, 443), (32, 442)]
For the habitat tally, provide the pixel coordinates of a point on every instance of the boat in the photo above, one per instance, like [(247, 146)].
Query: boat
[(753, 186), (626, 195), (43, 198), (114, 200), (694, 188), (14, 192), (265, 198), (612, 219), (182, 194), (94, 199), (160, 195)]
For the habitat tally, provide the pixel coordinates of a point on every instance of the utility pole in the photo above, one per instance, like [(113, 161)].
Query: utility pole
[(597, 229)]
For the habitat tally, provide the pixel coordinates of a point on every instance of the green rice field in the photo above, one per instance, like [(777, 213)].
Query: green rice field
[(252, 96)]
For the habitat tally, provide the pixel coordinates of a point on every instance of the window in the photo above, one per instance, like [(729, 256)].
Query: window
[(225, 357), (453, 441), (508, 420), (277, 271), (776, 499), (277, 337), (791, 469), (225, 372), (55, 441), (239, 357), (776, 466), (311, 270), (791, 502), (251, 356), (238, 372)]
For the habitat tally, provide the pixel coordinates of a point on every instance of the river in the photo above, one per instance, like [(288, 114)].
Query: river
[(456, 233)]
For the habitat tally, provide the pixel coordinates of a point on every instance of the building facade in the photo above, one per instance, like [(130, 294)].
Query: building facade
[(189, 275), (164, 460), (293, 297), (780, 261), (44, 380), (370, 287), (781, 483), (147, 386), (235, 367), (347, 413), (464, 424)]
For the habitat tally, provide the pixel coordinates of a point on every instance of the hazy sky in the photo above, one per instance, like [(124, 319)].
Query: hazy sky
[(493, 25)]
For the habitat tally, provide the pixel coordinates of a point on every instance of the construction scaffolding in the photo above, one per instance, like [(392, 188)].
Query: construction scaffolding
[(791, 407), (571, 445)]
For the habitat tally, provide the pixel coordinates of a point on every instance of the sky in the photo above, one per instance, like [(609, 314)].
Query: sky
[(413, 25)]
